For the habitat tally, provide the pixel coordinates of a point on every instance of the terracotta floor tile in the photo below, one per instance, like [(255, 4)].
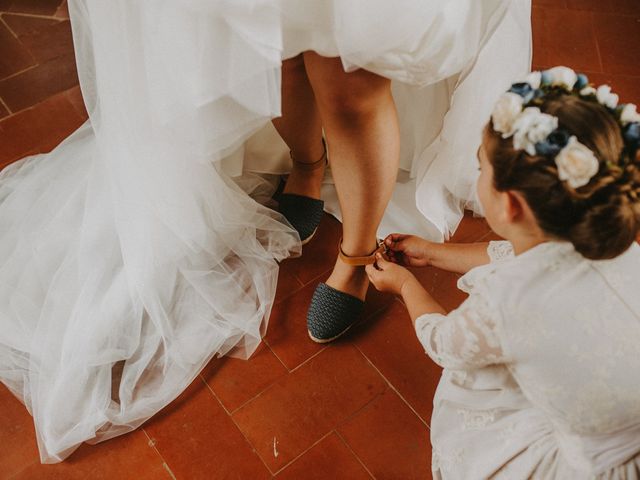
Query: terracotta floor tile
[(63, 10), (390, 439), (319, 255), (329, 459), (302, 407), (37, 84), (288, 283), (128, 457), (564, 37), (624, 7), (75, 97), (49, 42), (549, 3), (35, 7), (3, 111), (618, 39), (390, 343), (26, 24), (589, 5), (287, 333), (198, 440), (442, 286), (236, 381), (627, 87), (16, 430), (471, 228), (15, 57), (627, 7), (37, 129)]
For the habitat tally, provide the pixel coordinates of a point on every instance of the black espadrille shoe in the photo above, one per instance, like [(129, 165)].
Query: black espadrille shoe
[(333, 312), (303, 213)]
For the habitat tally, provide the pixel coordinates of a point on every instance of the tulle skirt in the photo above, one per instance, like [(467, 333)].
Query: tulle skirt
[(131, 255)]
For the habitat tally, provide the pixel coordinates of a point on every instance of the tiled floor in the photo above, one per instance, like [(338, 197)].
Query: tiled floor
[(358, 408)]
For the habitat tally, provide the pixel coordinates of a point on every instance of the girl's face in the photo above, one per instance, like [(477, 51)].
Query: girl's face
[(490, 199)]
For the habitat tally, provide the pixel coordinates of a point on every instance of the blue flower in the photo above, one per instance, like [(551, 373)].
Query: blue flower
[(524, 90), (581, 82), (552, 145), (631, 135)]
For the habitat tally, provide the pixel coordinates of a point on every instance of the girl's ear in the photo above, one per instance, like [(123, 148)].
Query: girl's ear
[(514, 206)]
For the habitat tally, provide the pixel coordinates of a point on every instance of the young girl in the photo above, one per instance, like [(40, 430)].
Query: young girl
[(541, 365)]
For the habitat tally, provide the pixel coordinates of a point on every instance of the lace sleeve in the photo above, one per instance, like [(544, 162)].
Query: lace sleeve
[(464, 339), (499, 250)]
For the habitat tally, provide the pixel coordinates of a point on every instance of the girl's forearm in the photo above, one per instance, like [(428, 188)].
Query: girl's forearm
[(458, 257), (418, 300)]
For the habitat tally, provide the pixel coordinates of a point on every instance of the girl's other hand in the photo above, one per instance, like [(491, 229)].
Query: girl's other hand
[(387, 276), (408, 250)]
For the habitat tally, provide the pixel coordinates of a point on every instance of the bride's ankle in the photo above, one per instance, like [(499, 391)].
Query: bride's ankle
[(314, 156)]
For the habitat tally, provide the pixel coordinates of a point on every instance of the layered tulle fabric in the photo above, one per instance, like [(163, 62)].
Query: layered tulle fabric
[(130, 256)]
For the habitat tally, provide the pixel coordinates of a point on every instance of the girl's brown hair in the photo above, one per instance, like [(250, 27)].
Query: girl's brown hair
[(602, 218)]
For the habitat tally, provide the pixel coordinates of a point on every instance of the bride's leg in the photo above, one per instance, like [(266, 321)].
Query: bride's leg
[(361, 126), (300, 128)]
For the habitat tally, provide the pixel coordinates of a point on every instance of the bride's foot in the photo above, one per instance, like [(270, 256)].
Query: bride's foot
[(349, 279), (337, 304), (300, 200)]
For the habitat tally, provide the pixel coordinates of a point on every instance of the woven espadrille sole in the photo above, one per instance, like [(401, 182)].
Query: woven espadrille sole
[(309, 238), (331, 313)]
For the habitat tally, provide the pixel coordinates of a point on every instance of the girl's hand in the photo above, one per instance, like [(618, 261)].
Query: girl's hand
[(408, 250), (387, 276)]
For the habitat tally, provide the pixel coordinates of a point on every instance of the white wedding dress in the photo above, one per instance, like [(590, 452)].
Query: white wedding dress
[(130, 256)]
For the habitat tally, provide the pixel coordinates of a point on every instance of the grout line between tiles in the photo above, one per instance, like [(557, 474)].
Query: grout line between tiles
[(346, 444), (310, 358), (301, 454), (23, 71), (214, 394), (35, 15), (253, 448), (8, 27), (274, 354), (595, 37), (21, 470), (394, 388), (7, 107), (152, 444)]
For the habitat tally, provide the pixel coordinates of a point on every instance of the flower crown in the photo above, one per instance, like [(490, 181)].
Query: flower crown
[(517, 114)]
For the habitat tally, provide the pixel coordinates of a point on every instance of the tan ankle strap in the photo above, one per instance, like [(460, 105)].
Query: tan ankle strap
[(309, 167), (364, 260)]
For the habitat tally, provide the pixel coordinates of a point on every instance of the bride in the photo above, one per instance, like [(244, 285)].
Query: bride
[(130, 254)]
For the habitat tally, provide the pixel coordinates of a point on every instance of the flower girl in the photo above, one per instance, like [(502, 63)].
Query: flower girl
[(541, 366)]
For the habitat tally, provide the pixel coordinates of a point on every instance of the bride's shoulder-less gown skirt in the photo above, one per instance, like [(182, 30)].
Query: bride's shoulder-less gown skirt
[(129, 256)]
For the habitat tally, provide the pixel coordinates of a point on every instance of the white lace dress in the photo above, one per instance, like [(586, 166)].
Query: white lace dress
[(541, 368)]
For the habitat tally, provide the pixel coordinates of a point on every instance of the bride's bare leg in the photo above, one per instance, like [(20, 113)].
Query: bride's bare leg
[(300, 127), (361, 126)]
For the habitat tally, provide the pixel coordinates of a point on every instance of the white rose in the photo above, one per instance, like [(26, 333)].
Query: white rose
[(629, 114), (534, 79), (532, 126), (588, 90), (576, 164), (505, 112), (563, 76), (605, 97)]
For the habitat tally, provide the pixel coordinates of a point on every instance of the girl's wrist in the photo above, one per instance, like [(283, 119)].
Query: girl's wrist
[(407, 284)]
